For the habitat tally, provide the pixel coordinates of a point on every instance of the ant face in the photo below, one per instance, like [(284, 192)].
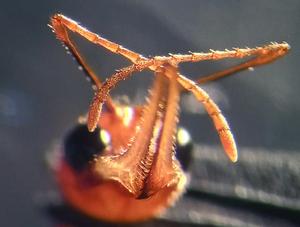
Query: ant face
[(85, 184), (122, 165)]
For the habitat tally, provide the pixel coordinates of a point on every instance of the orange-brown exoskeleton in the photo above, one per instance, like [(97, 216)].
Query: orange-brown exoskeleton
[(121, 166)]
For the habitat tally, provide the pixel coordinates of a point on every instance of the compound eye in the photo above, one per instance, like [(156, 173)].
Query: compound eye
[(184, 148), (81, 146)]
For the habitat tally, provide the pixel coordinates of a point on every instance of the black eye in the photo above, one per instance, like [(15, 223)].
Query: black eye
[(81, 146), (184, 148)]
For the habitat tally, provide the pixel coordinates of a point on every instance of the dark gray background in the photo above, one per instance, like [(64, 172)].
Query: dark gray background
[(42, 93)]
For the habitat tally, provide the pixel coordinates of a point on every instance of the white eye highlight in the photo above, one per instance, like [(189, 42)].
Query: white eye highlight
[(183, 137), (105, 137)]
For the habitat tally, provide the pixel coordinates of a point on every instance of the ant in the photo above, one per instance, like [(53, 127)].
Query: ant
[(121, 166)]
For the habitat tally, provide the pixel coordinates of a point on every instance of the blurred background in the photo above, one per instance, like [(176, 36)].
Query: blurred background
[(42, 93)]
